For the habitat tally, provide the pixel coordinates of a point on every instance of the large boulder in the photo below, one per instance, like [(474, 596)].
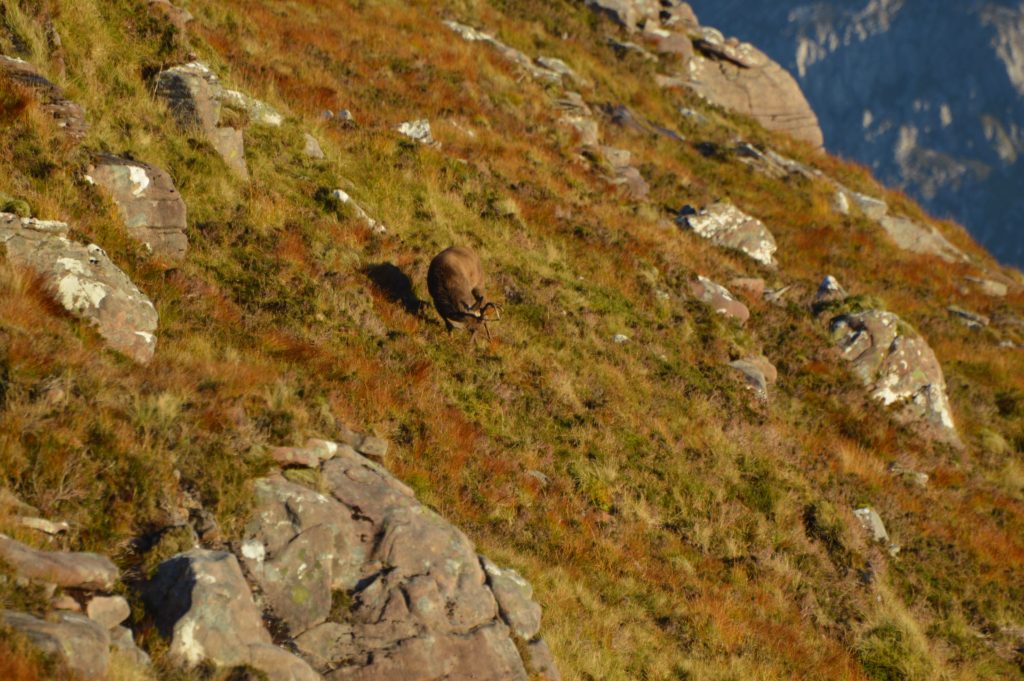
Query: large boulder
[(419, 603), (69, 115), (85, 282), (896, 364), (727, 226), (63, 568), (203, 605), (82, 644), (153, 210), (740, 77)]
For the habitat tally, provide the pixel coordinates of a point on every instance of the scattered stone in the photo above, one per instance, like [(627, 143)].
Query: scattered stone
[(620, 338), (872, 524), (758, 372), (973, 320), (773, 164), (829, 291), (719, 298), (536, 70), (374, 447), (841, 203), (624, 175), (917, 238), (375, 226), (727, 226), (418, 130), (69, 115), (873, 209), (108, 611), (916, 477), (153, 210), (81, 643), (45, 526), (65, 602), (622, 116), (85, 282), (203, 605), (895, 364), (578, 116), (560, 67), (753, 286), (63, 568), (312, 148), (989, 287)]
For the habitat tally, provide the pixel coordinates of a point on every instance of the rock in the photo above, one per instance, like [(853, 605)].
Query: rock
[(121, 639), (541, 662), (727, 226), (203, 605), (312, 148), (746, 80), (421, 605), (374, 447), (773, 164), (179, 17), (625, 175), (841, 203), (973, 320), (627, 13), (895, 364), (69, 115), (230, 145), (45, 526), (620, 338), (153, 210), (81, 643), (108, 611), (917, 238), (418, 130), (872, 524), (541, 72), (873, 209), (515, 600), (85, 282), (908, 474), (989, 287), (577, 115), (670, 42), (829, 291), (65, 602), (375, 226), (719, 298), (752, 286), (558, 66), (758, 373), (63, 568), (299, 456)]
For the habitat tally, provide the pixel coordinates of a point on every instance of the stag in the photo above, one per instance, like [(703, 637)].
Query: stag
[(455, 280)]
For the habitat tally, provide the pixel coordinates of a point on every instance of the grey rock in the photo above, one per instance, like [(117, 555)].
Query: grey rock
[(202, 603), (577, 115), (536, 70), (829, 291), (375, 226), (515, 600), (874, 209), (418, 130), (153, 210), (374, 447), (69, 115), (81, 643), (872, 524), (85, 282), (990, 287), (108, 611), (63, 568), (719, 298), (121, 639), (758, 373), (45, 526), (727, 226), (896, 365), (312, 148), (918, 238), (624, 175), (973, 320)]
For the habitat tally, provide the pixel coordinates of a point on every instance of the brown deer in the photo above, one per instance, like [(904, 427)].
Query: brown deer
[(456, 280)]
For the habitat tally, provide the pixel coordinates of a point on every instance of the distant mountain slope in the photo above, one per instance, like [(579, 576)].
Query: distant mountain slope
[(929, 94)]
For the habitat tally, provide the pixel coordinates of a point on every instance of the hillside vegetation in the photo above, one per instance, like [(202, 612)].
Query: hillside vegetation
[(673, 523)]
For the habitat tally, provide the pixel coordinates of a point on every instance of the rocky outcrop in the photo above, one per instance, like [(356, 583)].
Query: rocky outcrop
[(416, 601), (196, 99), (204, 607), (719, 299), (153, 210), (727, 226), (918, 238), (65, 569), (895, 363), (85, 282), (82, 644), (69, 115), (544, 69)]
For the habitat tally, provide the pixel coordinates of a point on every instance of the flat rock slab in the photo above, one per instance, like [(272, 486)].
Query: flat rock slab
[(108, 611), (85, 282), (63, 568), (726, 225), (895, 364), (202, 603), (81, 643), (69, 115), (153, 210), (918, 238), (719, 299)]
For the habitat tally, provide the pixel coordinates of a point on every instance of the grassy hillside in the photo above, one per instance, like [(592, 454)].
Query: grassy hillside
[(687, 529)]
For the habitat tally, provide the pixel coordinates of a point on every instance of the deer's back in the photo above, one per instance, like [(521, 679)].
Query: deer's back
[(453, 275)]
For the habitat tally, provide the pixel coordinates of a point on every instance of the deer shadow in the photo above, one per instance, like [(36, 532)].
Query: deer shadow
[(395, 285)]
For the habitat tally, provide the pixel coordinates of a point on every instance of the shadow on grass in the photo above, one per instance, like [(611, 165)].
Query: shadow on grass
[(395, 284)]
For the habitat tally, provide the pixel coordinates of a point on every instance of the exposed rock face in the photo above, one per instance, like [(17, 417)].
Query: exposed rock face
[(81, 643), (153, 210), (719, 298), (727, 226), (895, 364), (108, 611), (917, 238), (65, 569), (195, 96), (422, 604), (203, 605), (84, 281), (69, 115)]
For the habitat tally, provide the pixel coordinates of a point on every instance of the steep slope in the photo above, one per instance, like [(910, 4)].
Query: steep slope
[(704, 466), (929, 95)]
